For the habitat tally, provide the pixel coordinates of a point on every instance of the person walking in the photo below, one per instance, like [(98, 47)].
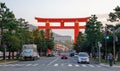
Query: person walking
[(110, 58)]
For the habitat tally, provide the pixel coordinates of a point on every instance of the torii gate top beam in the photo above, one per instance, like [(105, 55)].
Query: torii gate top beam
[(76, 26), (62, 19)]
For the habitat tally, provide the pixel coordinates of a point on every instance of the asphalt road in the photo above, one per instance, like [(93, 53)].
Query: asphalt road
[(55, 64)]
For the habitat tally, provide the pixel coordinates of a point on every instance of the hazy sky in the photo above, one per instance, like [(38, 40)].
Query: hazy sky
[(29, 9)]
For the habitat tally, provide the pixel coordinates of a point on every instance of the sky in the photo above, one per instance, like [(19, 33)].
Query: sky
[(29, 9)]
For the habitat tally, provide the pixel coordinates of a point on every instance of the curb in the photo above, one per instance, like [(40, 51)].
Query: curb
[(9, 62), (106, 65)]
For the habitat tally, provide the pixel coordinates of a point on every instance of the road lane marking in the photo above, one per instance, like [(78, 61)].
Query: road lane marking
[(55, 65), (69, 65), (76, 65), (83, 65), (53, 61), (19, 64)]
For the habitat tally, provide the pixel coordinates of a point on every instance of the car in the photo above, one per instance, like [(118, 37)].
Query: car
[(64, 57), (83, 57), (50, 55), (75, 54), (71, 54)]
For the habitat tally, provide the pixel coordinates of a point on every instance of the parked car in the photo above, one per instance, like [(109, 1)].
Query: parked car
[(83, 57)]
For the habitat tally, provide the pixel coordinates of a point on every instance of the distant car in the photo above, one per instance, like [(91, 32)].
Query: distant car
[(64, 57), (83, 57), (50, 55), (75, 54), (71, 54)]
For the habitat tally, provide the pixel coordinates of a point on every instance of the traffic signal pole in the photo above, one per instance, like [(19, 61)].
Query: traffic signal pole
[(114, 37), (105, 45)]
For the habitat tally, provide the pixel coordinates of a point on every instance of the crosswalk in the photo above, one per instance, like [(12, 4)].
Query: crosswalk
[(77, 65), (55, 65)]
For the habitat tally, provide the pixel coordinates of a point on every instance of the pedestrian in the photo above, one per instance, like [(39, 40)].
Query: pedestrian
[(110, 58)]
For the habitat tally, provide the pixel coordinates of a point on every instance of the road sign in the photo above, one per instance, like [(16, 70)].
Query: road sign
[(99, 44), (5, 46)]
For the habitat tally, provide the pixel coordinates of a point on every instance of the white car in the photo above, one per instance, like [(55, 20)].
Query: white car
[(83, 57)]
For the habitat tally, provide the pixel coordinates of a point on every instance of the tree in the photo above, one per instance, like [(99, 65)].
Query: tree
[(93, 32), (7, 22), (115, 17), (80, 39), (24, 30)]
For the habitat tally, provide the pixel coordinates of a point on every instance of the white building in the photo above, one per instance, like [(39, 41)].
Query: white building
[(62, 38)]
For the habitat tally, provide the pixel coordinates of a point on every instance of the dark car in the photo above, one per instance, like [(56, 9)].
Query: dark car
[(71, 54), (50, 55), (64, 57)]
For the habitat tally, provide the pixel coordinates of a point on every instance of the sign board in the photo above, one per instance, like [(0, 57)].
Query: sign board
[(5, 46), (99, 44)]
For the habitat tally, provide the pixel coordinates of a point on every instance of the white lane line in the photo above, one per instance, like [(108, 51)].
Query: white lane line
[(83, 65), (18, 64), (34, 65), (55, 65), (92, 66), (69, 65), (53, 61), (76, 65), (28, 64), (21, 64)]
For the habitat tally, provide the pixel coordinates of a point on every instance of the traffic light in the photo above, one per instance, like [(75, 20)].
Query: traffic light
[(107, 34)]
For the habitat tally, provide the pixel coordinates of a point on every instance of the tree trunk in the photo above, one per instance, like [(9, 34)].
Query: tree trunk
[(9, 55), (13, 55)]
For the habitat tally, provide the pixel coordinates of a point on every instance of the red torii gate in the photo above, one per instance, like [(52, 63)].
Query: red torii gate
[(76, 27)]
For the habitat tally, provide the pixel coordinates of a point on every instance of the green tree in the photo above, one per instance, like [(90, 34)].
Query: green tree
[(93, 32), (115, 17), (7, 23), (80, 39), (23, 29)]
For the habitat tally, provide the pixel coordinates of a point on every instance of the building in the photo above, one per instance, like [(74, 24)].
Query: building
[(63, 39)]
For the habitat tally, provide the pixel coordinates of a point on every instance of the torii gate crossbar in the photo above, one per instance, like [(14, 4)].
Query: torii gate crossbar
[(76, 26)]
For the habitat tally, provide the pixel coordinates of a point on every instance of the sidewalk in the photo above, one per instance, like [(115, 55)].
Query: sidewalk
[(8, 62), (107, 65), (103, 63)]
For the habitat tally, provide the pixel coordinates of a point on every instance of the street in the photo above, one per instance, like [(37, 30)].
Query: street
[(55, 64)]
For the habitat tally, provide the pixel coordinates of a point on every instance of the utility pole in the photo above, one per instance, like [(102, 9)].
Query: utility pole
[(99, 45), (105, 44), (114, 38)]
